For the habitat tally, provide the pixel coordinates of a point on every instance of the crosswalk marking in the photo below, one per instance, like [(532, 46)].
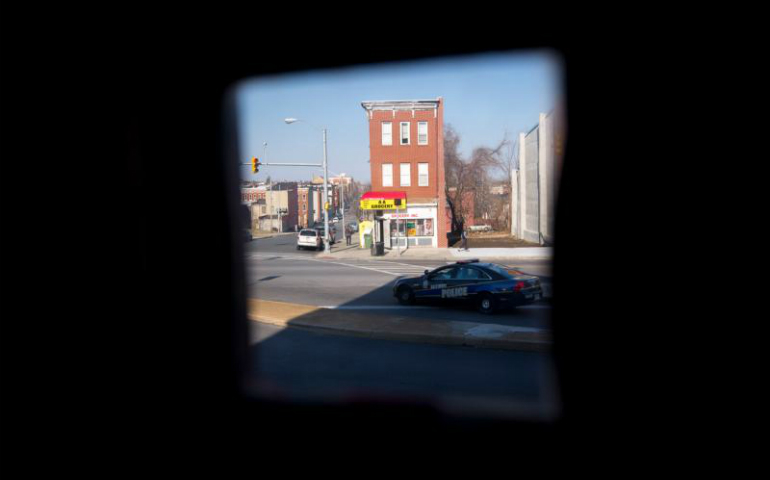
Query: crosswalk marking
[(395, 269)]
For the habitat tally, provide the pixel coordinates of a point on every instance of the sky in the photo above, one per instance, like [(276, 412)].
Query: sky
[(485, 96)]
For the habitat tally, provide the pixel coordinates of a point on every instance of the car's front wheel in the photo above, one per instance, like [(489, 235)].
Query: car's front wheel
[(405, 295), (486, 304)]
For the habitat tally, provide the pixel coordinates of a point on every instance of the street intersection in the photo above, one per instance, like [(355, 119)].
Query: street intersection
[(306, 288)]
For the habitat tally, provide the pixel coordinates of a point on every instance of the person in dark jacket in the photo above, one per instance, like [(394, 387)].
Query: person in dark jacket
[(348, 233), (464, 238)]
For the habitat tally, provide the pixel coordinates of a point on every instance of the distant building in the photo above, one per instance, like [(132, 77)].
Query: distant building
[(499, 190), (340, 180), (273, 207), (306, 206), (249, 195)]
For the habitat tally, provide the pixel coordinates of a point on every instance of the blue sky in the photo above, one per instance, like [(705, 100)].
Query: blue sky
[(484, 95)]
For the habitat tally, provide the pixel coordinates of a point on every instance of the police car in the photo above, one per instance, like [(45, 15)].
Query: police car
[(488, 285)]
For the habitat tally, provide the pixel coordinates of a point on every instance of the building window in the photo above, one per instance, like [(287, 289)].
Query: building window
[(404, 133), (422, 174), (422, 133), (406, 175), (422, 227), (387, 174), (387, 133)]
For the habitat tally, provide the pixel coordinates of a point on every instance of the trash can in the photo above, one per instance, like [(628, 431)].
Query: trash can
[(367, 240), (378, 249)]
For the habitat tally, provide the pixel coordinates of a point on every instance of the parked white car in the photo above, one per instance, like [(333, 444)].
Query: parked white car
[(309, 238)]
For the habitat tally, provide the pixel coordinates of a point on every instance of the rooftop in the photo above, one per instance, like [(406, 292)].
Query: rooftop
[(400, 104)]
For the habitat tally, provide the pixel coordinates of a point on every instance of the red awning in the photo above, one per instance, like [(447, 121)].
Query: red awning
[(384, 195)]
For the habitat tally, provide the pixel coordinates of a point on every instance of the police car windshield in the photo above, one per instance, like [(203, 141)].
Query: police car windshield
[(308, 233)]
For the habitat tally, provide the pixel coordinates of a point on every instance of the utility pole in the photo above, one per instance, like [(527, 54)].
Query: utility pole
[(326, 198), (342, 182), (327, 248)]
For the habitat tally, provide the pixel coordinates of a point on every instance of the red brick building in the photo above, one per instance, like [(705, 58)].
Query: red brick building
[(305, 206), (406, 151)]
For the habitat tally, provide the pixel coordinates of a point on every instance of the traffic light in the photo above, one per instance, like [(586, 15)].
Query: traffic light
[(254, 165)]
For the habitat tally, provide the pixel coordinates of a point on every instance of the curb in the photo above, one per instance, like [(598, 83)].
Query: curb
[(271, 236), (405, 329), (443, 258), (488, 255)]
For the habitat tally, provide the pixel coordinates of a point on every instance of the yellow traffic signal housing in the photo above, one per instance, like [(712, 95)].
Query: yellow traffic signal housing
[(254, 165)]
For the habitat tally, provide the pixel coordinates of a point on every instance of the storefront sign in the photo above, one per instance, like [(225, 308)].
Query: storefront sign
[(383, 204)]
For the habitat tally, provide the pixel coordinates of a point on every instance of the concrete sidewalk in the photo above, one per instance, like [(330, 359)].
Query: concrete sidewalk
[(340, 251), (395, 327)]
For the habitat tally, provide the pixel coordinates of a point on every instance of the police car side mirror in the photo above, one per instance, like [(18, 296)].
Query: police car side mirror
[(425, 272)]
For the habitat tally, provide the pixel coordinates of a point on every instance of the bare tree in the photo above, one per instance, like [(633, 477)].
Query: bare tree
[(473, 178), (353, 192)]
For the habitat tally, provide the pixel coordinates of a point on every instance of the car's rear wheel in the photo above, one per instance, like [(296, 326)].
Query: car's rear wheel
[(486, 304), (405, 295)]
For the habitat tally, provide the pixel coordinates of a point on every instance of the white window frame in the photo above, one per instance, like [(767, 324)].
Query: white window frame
[(401, 133), (420, 174), (419, 126), (390, 167), (390, 134), (408, 182)]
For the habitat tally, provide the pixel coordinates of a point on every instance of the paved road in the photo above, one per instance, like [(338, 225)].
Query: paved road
[(295, 362), (287, 244), (277, 271), (306, 364)]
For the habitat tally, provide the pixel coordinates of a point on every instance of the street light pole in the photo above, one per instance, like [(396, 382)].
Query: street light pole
[(327, 248), (342, 188)]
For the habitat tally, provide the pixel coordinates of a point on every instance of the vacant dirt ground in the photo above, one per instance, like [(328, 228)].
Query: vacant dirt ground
[(494, 240)]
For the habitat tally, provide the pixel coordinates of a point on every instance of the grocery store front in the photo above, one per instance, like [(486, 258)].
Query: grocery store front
[(400, 224), (415, 227)]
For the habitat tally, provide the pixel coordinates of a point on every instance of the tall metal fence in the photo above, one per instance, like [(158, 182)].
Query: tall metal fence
[(533, 199)]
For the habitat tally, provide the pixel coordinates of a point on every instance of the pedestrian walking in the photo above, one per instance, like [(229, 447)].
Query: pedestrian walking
[(464, 238), (348, 233)]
